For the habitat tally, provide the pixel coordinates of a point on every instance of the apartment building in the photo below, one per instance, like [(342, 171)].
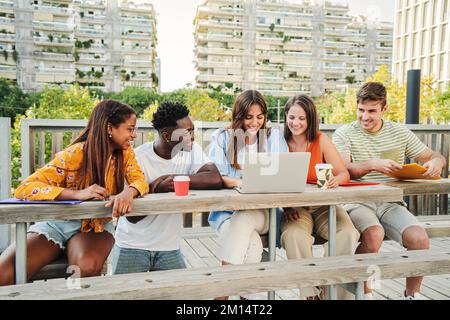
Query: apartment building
[(282, 48), (422, 39), (102, 44)]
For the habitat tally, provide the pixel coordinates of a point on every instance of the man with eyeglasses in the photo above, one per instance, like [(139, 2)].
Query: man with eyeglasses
[(150, 243), (372, 147)]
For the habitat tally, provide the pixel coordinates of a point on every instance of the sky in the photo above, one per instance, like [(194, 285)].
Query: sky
[(175, 30)]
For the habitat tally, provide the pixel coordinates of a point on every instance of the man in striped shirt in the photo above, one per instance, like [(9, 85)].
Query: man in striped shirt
[(370, 148)]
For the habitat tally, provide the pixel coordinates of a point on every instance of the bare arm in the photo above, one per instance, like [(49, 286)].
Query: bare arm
[(230, 183), (331, 156), (433, 161), (207, 177), (360, 169)]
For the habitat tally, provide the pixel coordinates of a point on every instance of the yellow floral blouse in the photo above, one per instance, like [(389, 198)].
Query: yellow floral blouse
[(63, 172)]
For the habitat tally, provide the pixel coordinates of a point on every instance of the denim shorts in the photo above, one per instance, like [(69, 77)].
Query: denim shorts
[(60, 231), (127, 260)]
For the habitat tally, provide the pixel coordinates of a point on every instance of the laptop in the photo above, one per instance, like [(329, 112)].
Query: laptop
[(274, 172)]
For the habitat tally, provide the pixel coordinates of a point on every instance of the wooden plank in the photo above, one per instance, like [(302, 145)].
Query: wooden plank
[(5, 175), (198, 232), (421, 187), (203, 200), (199, 248), (57, 142), (212, 246), (190, 255), (239, 279), (437, 228), (41, 150)]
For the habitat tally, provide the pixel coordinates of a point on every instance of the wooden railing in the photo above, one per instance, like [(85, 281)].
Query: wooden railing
[(37, 133), (5, 175)]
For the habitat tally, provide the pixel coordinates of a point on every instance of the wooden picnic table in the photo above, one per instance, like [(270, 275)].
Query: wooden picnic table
[(198, 200), (421, 187)]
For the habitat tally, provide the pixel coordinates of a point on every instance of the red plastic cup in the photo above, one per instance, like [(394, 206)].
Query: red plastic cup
[(181, 185)]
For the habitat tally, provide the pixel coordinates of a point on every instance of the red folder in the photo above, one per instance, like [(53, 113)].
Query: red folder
[(350, 183)]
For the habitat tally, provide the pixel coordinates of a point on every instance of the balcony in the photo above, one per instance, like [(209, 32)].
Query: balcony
[(218, 78), (53, 56), (384, 49), (338, 18), (6, 4), (96, 4), (220, 24), (269, 79), (57, 42), (283, 93), (297, 54), (202, 63), (218, 51), (205, 11), (53, 26), (384, 61), (6, 21), (93, 18), (136, 7), (290, 14), (138, 63), (136, 21), (55, 70), (136, 50), (141, 78), (91, 61), (8, 37), (8, 72), (137, 35), (53, 9), (337, 44), (266, 26), (217, 37), (86, 32)]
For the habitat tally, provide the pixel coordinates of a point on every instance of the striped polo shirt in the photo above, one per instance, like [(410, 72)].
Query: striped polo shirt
[(394, 141)]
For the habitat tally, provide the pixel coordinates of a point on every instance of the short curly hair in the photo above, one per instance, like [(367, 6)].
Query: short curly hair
[(167, 115)]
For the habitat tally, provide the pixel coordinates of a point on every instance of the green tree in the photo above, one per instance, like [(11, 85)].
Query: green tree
[(138, 98), (13, 101), (55, 103)]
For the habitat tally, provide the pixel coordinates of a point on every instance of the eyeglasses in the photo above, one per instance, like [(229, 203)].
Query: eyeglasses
[(132, 130)]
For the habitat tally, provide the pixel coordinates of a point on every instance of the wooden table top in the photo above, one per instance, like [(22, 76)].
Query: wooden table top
[(202, 201)]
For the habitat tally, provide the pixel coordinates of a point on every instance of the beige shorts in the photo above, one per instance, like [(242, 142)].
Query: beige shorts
[(393, 217)]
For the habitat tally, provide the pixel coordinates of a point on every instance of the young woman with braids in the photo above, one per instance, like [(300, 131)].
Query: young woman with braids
[(99, 163)]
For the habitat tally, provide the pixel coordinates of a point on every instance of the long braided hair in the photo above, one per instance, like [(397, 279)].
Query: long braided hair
[(98, 147)]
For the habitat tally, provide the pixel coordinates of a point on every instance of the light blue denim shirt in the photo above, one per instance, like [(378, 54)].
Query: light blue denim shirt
[(217, 154)]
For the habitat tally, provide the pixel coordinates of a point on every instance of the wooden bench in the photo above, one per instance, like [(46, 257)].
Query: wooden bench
[(206, 283), (436, 226)]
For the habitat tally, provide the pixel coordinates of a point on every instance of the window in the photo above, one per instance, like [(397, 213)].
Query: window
[(433, 39), (408, 19), (406, 53), (424, 42), (416, 18), (444, 9), (415, 40), (441, 66), (425, 9), (443, 34)]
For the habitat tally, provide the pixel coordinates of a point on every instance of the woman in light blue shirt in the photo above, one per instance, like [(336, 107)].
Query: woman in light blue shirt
[(239, 231)]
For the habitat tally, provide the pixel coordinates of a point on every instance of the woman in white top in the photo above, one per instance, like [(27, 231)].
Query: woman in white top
[(239, 231)]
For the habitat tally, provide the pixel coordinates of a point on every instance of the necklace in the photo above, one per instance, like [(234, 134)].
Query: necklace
[(294, 147)]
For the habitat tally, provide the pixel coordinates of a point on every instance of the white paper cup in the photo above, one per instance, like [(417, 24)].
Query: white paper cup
[(324, 172)]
